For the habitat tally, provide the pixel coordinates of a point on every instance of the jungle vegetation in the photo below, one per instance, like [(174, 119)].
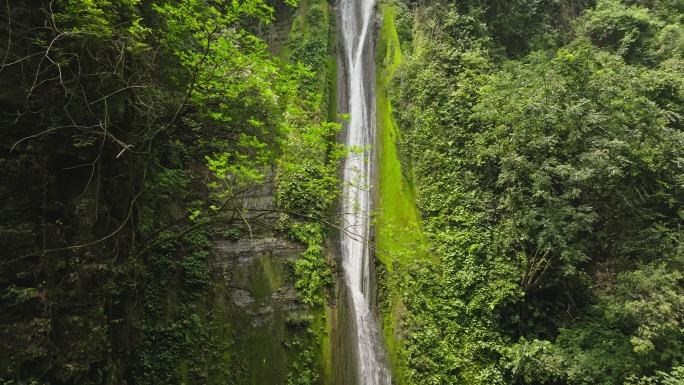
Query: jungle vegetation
[(544, 140), (546, 143), (133, 133)]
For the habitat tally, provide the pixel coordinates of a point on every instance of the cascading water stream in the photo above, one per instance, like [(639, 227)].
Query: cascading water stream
[(356, 16)]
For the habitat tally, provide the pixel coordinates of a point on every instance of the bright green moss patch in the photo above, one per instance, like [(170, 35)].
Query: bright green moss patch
[(332, 88), (399, 236)]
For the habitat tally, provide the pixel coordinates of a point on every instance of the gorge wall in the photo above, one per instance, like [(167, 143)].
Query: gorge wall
[(171, 193), (109, 273)]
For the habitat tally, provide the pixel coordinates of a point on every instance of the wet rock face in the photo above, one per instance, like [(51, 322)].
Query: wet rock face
[(259, 300), (246, 250), (253, 271)]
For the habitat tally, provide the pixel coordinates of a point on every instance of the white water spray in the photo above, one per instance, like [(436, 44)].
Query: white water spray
[(356, 16)]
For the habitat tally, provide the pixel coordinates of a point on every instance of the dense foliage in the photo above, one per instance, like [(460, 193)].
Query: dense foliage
[(148, 125), (544, 138), (547, 147)]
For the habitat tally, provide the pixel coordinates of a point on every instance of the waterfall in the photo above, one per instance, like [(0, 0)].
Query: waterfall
[(356, 16)]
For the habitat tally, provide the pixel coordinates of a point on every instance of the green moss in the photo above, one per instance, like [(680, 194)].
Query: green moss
[(267, 276), (332, 89), (392, 310), (256, 340), (325, 349), (399, 235), (321, 329)]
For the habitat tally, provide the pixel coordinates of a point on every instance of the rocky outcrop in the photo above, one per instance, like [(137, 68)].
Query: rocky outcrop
[(259, 303)]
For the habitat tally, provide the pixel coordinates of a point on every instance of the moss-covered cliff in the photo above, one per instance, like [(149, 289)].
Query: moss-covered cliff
[(149, 230), (170, 177)]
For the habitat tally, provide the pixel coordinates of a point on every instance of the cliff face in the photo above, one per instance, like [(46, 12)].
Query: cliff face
[(82, 316), (66, 310), (105, 276)]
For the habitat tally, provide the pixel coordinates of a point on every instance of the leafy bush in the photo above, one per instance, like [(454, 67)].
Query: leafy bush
[(307, 181)]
